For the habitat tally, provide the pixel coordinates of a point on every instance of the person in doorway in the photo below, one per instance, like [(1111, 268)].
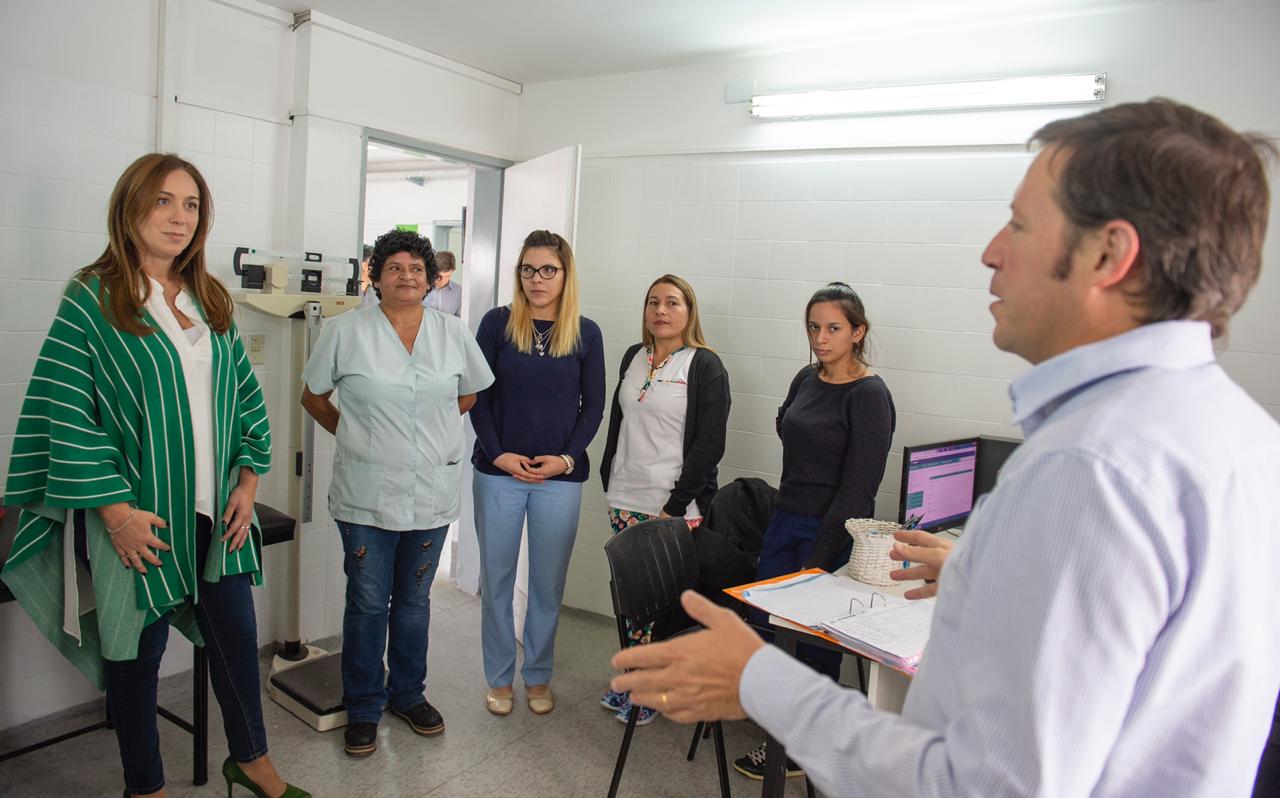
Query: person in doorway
[(666, 430), (365, 287), (140, 444), (1096, 632), (836, 425), (532, 430), (403, 376), (447, 294)]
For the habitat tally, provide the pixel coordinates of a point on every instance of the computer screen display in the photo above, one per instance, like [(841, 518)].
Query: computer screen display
[(937, 483)]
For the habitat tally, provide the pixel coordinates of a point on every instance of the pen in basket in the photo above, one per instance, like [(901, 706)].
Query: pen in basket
[(912, 522)]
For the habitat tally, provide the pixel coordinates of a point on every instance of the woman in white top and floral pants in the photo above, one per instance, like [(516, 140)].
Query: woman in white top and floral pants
[(666, 430)]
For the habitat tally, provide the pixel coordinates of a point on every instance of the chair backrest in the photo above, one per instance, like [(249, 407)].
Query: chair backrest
[(651, 563)]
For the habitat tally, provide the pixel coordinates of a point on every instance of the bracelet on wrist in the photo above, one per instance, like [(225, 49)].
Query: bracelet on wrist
[(568, 463), (132, 511)]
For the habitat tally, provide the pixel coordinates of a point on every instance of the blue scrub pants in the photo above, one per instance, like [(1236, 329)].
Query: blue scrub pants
[(501, 505)]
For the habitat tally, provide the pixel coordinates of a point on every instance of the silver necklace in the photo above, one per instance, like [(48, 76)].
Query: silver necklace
[(541, 339)]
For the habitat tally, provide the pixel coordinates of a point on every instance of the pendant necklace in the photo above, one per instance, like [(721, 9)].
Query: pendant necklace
[(541, 340)]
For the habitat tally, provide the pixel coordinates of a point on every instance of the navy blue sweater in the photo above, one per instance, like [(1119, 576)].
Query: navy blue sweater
[(538, 405)]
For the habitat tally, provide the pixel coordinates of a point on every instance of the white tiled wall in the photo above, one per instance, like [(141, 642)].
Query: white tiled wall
[(757, 235)]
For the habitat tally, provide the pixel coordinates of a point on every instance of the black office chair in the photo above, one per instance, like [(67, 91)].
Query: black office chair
[(651, 564)]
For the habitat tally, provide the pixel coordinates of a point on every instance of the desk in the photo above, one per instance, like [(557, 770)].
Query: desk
[(276, 528), (886, 687)]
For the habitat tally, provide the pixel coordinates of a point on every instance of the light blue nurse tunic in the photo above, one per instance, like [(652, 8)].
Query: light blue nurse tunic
[(401, 447)]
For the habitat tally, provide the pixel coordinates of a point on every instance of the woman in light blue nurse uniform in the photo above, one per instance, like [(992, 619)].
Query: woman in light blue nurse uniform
[(404, 375)]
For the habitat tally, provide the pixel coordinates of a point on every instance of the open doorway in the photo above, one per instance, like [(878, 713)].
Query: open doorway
[(454, 199), (413, 190)]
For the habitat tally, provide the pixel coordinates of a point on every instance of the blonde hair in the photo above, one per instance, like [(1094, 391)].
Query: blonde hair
[(565, 335), (691, 335), (122, 291)]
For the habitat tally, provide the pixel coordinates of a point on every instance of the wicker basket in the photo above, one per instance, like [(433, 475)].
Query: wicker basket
[(872, 541)]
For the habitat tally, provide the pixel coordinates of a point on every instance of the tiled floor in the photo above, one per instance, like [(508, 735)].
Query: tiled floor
[(570, 752)]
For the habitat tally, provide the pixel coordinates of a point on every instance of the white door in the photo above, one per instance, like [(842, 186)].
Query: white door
[(538, 194)]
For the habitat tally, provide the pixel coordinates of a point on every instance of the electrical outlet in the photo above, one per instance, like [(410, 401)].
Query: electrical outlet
[(257, 346)]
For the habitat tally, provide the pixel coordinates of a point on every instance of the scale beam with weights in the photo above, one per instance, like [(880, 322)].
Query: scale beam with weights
[(304, 679)]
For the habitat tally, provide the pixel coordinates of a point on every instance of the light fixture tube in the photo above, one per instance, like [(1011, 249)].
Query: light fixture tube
[(961, 95)]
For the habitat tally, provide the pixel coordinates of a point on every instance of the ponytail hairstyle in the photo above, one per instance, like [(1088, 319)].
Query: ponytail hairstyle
[(850, 303)]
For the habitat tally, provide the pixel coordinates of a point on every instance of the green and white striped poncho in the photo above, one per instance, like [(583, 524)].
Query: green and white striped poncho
[(106, 419)]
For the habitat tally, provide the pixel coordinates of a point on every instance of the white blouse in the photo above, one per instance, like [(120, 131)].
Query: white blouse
[(650, 452), (195, 350)]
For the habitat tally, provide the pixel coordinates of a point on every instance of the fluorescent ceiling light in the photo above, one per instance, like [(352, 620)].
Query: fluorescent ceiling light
[(970, 94)]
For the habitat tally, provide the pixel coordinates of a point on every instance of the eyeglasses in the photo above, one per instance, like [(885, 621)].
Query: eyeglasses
[(547, 272)]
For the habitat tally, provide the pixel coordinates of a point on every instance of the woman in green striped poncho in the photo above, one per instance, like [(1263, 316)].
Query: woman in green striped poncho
[(139, 445)]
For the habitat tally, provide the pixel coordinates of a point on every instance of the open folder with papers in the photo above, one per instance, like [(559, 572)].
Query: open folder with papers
[(878, 625)]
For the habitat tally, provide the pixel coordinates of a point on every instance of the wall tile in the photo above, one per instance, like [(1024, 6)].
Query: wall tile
[(102, 112), (831, 182), (828, 221), (790, 221), (195, 129), (686, 220), (690, 184), (865, 221), (658, 183), (715, 258), (99, 159), (270, 142), (47, 205), (49, 101), (756, 183), (48, 152), (233, 136), (746, 337), (755, 220), (786, 260), (824, 262), (791, 182), (722, 183), (141, 120), (719, 219), (10, 146)]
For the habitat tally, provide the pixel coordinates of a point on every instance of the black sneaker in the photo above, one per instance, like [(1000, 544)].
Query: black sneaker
[(360, 739), (752, 765), (423, 719)]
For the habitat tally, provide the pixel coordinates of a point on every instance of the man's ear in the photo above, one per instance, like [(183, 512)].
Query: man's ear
[(1116, 252)]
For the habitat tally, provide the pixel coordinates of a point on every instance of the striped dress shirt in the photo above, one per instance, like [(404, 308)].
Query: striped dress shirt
[(1098, 631), (107, 419)]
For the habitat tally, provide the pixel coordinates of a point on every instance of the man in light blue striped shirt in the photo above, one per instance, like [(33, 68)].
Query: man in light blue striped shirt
[(1103, 627)]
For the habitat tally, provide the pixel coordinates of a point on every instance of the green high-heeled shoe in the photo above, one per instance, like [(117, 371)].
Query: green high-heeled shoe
[(234, 775)]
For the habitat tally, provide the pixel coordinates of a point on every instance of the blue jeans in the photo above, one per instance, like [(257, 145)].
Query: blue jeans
[(389, 577), (501, 506), (787, 542), (230, 630)]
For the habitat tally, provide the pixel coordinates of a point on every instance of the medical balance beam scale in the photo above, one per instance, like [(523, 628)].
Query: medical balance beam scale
[(304, 679)]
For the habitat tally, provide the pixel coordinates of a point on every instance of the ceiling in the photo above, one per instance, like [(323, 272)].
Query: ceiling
[(394, 163), (529, 41)]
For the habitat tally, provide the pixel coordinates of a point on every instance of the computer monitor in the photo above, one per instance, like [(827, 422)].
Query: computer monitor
[(937, 483), (992, 452)]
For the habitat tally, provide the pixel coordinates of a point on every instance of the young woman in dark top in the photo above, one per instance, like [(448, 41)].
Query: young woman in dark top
[(532, 426), (666, 429), (835, 424)]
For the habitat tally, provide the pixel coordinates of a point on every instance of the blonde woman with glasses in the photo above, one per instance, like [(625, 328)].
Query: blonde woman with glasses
[(532, 427)]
